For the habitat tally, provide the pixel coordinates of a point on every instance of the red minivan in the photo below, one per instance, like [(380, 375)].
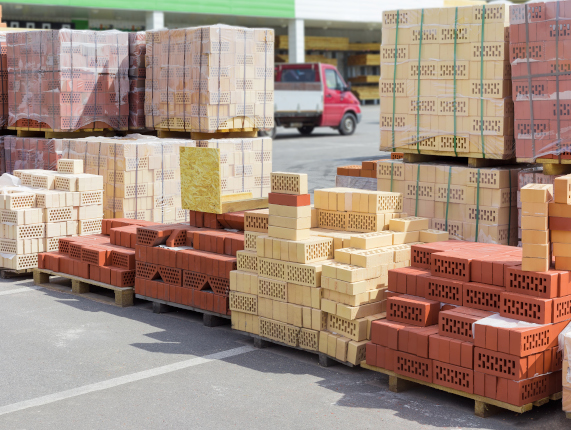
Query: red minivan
[(313, 95)]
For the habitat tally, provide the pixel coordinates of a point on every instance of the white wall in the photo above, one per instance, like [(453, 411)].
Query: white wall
[(355, 10)]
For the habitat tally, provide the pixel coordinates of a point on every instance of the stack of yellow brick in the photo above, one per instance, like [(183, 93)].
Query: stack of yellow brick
[(445, 83), (61, 203), (535, 227), (467, 202)]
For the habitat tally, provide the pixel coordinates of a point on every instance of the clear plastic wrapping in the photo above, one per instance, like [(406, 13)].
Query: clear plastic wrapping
[(31, 153), (3, 82), (445, 84), (210, 78), (477, 205), (141, 174), (68, 79), (137, 73), (540, 55)]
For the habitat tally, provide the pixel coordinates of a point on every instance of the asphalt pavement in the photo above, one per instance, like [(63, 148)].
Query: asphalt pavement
[(80, 362)]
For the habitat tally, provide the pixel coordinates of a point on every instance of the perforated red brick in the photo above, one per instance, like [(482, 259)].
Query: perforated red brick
[(482, 296), (561, 309), (177, 238), (405, 279), (457, 323), (526, 308), (420, 254), (456, 377), (501, 364), (64, 244), (145, 270), (385, 333), (122, 277), (444, 290), (170, 275), (289, 199), (412, 310), (124, 258), (219, 285), (371, 353), (529, 390), (538, 284), (96, 255), (452, 265), (154, 235), (413, 367), (194, 280), (75, 250)]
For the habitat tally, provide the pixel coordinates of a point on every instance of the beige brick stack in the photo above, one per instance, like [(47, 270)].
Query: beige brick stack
[(55, 204), (448, 80), (471, 204), (535, 227), (210, 78)]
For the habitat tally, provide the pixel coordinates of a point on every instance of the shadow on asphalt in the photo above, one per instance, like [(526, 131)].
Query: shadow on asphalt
[(182, 332)]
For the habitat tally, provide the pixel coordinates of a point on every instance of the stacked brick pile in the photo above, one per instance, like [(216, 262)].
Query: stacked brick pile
[(137, 73), (210, 78), (108, 257), (560, 222), (349, 209), (4, 80), (445, 82), (471, 204), (536, 247), (53, 205), (68, 79), (31, 153), (367, 169), (187, 265), (466, 316), (538, 33), (141, 174)]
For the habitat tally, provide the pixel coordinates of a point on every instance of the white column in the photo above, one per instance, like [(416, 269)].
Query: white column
[(296, 41), (155, 20)]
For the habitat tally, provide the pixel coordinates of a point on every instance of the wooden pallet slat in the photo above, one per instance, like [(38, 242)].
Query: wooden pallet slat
[(475, 162)]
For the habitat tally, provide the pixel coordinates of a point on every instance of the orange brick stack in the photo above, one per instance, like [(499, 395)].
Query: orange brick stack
[(137, 73), (188, 265), (454, 318), (367, 169), (108, 257)]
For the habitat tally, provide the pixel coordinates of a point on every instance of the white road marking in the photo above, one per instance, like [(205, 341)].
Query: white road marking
[(18, 290), (122, 380)]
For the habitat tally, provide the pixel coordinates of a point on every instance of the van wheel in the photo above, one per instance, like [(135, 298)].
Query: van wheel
[(268, 133), (348, 124), (306, 130)]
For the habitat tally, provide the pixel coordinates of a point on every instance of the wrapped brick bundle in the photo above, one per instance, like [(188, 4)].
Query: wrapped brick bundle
[(210, 78), (31, 153), (447, 90), (137, 72), (540, 63), (3, 82), (68, 80)]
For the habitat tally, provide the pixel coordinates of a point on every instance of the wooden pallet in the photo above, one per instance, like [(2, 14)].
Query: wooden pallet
[(324, 359), (123, 296), (209, 318), (551, 166), (435, 156), (365, 79), (11, 273), (64, 134), (234, 133), (484, 407)]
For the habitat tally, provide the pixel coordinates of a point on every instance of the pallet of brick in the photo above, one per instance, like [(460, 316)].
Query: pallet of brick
[(535, 227), (84, 84), (141, 174), (186, 266), (34, 217), (445, 84), (137, 73), (209, 79), (559, 232), (349, 209), (4, 78), (367, 169), (462, 309), (539, 84), (226, 175), (474, 204), (31, 153)]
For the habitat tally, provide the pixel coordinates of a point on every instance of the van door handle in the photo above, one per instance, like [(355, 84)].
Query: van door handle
[(329, 95)]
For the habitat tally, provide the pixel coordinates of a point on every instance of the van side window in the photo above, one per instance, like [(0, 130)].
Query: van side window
[(332, 80)]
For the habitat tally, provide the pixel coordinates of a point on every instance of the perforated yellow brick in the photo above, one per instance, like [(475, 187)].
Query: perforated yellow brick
[(273, 269), (88, 198), (289, 183), (250, 238), (411, 223), (304, 274), (51, 244), (20, 200), (25, 231), (309, 339), (18, 262), (58, 214), (272, 289), (333, 220), (242, 302), (90, 226), (65, 165), (387, 202), (256, 220), (372, 240), (365, 222), (247, 261), (278, 331), (390, 169), (354, 330), (43, 180), (65, 183)]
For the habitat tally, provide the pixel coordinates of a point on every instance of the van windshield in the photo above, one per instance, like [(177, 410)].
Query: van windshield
[(298, 75)]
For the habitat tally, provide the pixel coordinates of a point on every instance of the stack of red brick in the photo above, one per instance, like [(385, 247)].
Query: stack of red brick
[(232, 220), (108, 257), (188, 265), (480, 341), (367, 169)]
